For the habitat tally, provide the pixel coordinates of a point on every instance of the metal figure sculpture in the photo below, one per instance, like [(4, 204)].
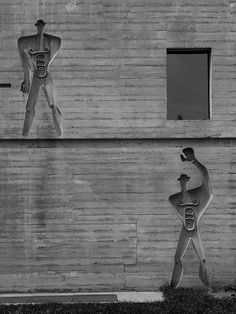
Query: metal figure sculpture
[(37, 52), (190, 206)]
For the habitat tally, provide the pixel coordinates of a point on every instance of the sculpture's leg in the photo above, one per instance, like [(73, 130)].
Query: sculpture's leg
[(180, 251), (198, 246), (30, 105), (49, 92)]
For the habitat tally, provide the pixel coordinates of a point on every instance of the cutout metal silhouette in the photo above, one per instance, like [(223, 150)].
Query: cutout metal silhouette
[(37, 52), (190, 206)]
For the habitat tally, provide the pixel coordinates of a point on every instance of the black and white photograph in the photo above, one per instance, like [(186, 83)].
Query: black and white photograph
[(118, 156)]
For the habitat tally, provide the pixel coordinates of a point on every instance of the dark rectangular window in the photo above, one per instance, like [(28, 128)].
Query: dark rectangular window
[(188, 84)]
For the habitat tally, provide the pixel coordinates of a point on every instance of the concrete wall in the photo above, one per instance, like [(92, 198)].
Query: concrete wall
[(90, 212), (96, 216), (110, 73)]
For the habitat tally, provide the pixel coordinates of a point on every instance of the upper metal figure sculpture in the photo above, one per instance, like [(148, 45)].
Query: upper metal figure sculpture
[(190, 206), (37, 52)]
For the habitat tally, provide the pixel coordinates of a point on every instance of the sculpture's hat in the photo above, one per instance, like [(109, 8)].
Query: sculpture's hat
[(40, 22), (183, 176)]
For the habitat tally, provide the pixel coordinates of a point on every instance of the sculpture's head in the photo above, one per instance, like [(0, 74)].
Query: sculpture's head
[(40, 24), (183, 180)]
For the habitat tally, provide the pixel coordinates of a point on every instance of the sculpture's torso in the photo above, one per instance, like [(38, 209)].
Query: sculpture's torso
[(41, 61), (40, 50), (189, 214), (190, 205)]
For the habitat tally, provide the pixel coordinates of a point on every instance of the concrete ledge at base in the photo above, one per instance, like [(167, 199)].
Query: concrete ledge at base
[(108, 297)]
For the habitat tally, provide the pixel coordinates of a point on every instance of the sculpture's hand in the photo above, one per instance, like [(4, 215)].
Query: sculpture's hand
[(25, 86), (189, 155)]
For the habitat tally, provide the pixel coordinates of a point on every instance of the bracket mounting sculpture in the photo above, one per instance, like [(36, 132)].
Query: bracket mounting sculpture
[(37, 53), (190, 206)]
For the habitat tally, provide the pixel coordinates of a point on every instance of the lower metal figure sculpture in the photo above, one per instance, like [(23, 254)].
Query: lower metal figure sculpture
[(37, 52), (190, 206)]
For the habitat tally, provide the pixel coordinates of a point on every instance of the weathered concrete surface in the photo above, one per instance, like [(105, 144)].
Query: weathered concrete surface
[(97, 218), (110, 74)]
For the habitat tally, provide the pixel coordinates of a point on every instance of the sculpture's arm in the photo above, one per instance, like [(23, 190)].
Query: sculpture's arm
[(55, 46), (206, 181), (173, 203), (190, 157), (25, 86)]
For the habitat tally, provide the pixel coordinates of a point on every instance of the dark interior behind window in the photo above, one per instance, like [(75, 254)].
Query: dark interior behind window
[(188, 84)]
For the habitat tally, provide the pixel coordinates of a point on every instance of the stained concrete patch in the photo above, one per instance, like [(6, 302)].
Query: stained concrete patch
[(110, 297), (139, 296), (70, 6)]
